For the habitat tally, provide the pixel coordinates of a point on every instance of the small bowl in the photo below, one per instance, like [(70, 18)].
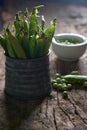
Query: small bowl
[(69, 52)]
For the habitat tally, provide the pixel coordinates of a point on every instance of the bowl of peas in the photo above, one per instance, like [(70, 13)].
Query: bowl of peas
[(69, 46)]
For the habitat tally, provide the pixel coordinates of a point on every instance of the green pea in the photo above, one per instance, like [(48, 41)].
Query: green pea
[(53, 81), (60, 86), (65, 94), (57, 75), (63, 80), (58, 80), (55, 85), (69, 86), (64, 87)]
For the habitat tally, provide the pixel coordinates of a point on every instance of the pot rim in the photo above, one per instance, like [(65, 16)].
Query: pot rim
[(27, 59)]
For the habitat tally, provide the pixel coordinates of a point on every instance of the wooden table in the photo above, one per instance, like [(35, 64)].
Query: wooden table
[(54, 113)]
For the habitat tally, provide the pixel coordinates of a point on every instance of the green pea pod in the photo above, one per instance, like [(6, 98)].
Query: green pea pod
[(14, 43), (17, 28), (40, 40), (40, 45), (33, 25), (32, 46), (3, 44), (49, 33), (26, 26), (24, 41), (17, 24), (75, 79), (10, 49)]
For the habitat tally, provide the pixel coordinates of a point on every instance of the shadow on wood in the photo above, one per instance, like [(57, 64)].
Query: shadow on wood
[(18, 111)]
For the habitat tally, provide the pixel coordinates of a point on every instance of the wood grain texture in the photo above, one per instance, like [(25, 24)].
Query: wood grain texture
[(54, 112)]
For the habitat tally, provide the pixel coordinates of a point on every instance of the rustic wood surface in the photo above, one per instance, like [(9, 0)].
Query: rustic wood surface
[(54, 112)]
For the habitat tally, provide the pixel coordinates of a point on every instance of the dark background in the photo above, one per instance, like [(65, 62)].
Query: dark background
[(63, 10)]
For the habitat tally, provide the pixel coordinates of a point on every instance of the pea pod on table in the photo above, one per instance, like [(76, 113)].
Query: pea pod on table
[(75, 79), (67, 82)]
